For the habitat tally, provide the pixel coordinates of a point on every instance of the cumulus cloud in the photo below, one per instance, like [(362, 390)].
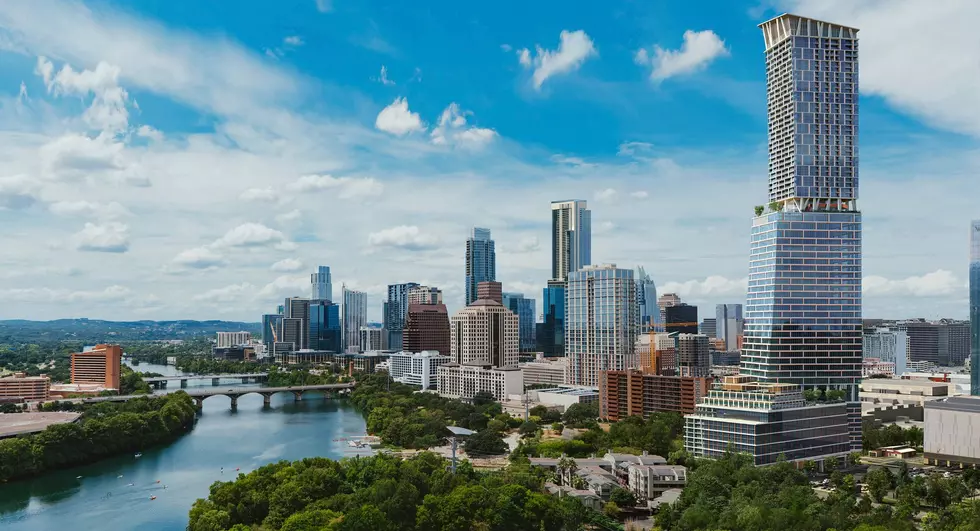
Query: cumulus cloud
[(712, 286), (604, 196), (108, 109), (18, 192), (267, 195), (639, 194), (699, 49), (287, 217), (287, 265), (293, 40), (109, 294), (148, 132), (110, 210), (112, 237), (452, 130), (231, 293), (634, 149), (398, 120), (936, 284), (383, 77), (605, 227), (198, 258), (574, 48), (346, 187), (285, 286), (250, 235), (528, 244), (407, 237)]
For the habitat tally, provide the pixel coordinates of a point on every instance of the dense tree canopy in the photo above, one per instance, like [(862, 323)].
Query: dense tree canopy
[(659, 434)]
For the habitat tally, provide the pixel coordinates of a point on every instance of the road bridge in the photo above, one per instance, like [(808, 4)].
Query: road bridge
[(161, 381), (235, 392)]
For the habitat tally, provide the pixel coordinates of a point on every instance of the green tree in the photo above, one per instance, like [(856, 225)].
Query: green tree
[(485, 442), (611, 510), (831, 463), (622, 497), (581, 415), (528, 429), (879, 482)]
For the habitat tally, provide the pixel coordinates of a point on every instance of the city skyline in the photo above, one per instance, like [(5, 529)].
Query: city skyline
[(199, 204)]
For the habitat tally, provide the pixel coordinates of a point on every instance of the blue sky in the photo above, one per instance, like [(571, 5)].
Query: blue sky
[(189, 160)]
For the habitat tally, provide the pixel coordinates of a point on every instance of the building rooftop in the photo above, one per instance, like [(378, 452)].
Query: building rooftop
[(791, 17), (895, 382), (572, 391), (967, 404), (12, 424)]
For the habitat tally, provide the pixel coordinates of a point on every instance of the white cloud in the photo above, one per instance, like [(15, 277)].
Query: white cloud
[(231, 293), (324, 6), (287, 217), (253, 235), (198, 258), (605, 227), (452, 130), (108, 110), (383, 78), (398, 120), (577, 162), (528, 244), (293, 40), (506, 47), (698, 50), (639, 194), (109, 237), (285, 286), (146, 131), (18, 192), (287, 265), (712, 286), (109, 294), (407, 237), (573, 50), (939, 283), (267, 195), (606, 195), (346, 187), (111, 210), (633, 149)]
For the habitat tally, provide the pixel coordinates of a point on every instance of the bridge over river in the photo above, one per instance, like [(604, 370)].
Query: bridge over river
[(234, 392), (161, 381)]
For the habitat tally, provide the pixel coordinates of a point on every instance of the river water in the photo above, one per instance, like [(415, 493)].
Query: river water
[(221, 441)]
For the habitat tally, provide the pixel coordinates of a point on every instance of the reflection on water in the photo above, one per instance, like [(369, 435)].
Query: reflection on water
[(222, 441)]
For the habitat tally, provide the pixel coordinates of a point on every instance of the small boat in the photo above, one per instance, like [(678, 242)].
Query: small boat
[(158, 481), (138, 455), (153, 497), (119, 476), (237, 469), (78, 477), (131, 484)]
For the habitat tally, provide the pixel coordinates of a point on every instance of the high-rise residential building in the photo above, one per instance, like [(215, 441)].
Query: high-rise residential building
[(888, 346), (681, 317), (427, 328), (325, 326), (630, 393), (975, 308), (571, 237), (524, 309), (601, 322), (666, 301), (395, 309), (322, 287), (646, 299), (373, 337), (271, 328), (692, 354), (803, 313), (490, 290), (424, 295), (353, 317), (945, 342), (709, 327), (231, 339), (551, 333), (730, 324), (481, 262), (296, 323), (99, 365), (485, 332)]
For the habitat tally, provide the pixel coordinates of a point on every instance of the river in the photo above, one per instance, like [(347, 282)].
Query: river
[(247, 438)]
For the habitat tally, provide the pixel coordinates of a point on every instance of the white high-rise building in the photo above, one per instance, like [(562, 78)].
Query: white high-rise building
[(233, 339), (887, 345), (571, 237), (353, 317), (373, 338), (601, 322), (416, 368), (485, 332), (322, 287)]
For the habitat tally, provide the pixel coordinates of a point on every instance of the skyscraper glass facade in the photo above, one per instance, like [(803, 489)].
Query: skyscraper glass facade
[(395, 309), (322, 288), (601, 322), (571, 237), (481, 262), (524, 309), (975, 308), (803, 312), (551, 340), (325, 326), (354, 315), (646, 299), (729, 324)]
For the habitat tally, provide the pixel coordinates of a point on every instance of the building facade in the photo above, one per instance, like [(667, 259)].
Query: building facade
[(571, 237), (803, 313), (464, 381), (524, 309), (766, 421), (646, 299), (630, 393), (296, 322), (427, 329), (888, 346), (665, 301), (485, 332), (231, 339), (99, 366), (424, 295), (353, 317), (271, 328), (481, 262), (945, 342), (709, 327), (975, 308), (373, 338), (395, 310), (681, 318), (490, 290), (21, 387), (601, 322), (325, 326), (321, 285), (551, 332), (952, 428), (692, 355), (730, 325), (416, 368), (544, 371)]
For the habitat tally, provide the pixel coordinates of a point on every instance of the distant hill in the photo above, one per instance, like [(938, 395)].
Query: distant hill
[(93, 330)]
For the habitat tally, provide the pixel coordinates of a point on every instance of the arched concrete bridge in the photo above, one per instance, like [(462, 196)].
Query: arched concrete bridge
[(234, 392)]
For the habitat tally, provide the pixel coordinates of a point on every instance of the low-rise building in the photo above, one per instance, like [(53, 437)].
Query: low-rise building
[(767, 421), (877, 367), (565, 396), (877, 392), (466, 380), (416, 368), (952, 429), (543, 370), (633, 393), (648, 482), (22, 388)]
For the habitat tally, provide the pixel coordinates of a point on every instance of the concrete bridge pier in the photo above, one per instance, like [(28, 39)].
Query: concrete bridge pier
[(266, 399), (297, 395), (183, 384), (214, 381), (199, 402), (234, 401)]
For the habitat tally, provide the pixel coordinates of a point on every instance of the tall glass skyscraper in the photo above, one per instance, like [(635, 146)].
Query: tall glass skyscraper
[(395, 310), (571, 237), (975, 308), (354, 316), (325, 330), (322, 288), (524, 309), (551, 338), (803, 312), (481, 261), (646, 299)]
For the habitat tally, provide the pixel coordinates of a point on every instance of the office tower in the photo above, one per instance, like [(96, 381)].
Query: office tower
[(481, 262), (646, 299), (730, 324), (665, 301), (571, 237), (373, 337), (325, 326), (427, 328), (231, 339), (485, 332), (395, 309), (99, 366), (296, 323), (490, 290), (551, 339), (271, 328), (975, 308), (524, 309), (601, 322), (322, 287), (354, 316), (945, 342), (692, 355), (803, 313), (887, 345), (681, 318), (424, 295), (709, 327)]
